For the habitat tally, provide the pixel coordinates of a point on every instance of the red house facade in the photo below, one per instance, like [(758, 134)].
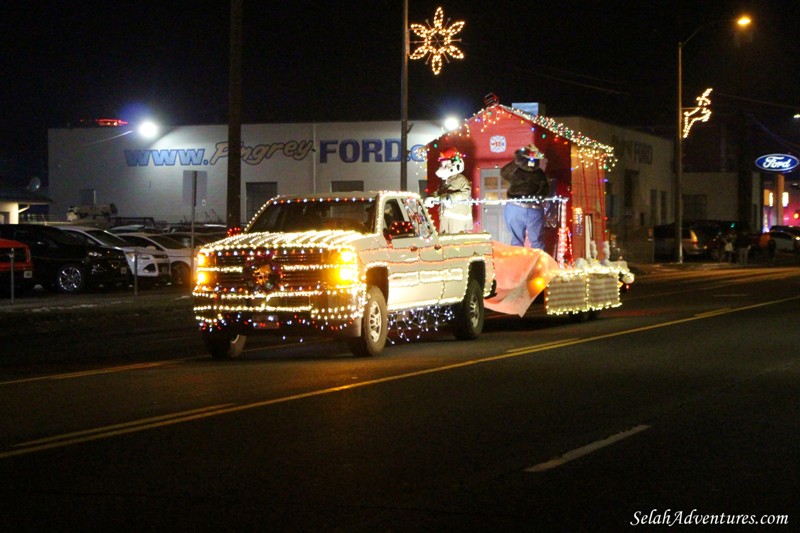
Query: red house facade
[(576, 166)]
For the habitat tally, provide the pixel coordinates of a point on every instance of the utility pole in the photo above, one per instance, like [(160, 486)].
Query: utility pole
[(234, 203), (404, 104)]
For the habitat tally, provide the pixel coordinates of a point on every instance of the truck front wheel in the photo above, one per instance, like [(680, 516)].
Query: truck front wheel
[(374, 326), (224, 345), (468, 323)]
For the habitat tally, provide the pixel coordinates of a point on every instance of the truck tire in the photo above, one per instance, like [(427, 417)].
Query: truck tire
[(70, 278), (374, 326), (224, 345), (469, 314)]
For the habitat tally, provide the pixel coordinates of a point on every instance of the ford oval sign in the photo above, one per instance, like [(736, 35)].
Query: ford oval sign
[(777, 162)]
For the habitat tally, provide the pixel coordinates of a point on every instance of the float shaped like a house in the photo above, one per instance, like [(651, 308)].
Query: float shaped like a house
[(576, 169)]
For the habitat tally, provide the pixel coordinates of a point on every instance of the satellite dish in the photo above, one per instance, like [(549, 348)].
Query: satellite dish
[(35, 184)]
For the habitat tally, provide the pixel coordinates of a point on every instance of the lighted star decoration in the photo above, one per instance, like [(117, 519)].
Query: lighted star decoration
[(437, 41), (701, 113)]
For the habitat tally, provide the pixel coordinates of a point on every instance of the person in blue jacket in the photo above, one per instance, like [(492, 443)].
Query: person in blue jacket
[(528, 186)]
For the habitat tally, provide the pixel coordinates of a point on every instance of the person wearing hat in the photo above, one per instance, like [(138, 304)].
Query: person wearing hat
[(455, 193), (524, 212)]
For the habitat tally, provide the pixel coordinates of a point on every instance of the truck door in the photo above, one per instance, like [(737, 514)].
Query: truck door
[(415, 279)]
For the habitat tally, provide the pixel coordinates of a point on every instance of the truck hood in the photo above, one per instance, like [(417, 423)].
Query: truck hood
[(331, 239)]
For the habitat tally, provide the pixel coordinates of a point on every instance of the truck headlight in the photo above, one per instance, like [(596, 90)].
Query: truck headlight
[(345, 266), (347, 274)]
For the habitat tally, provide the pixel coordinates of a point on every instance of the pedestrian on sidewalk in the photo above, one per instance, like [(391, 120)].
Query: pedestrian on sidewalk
[(727, 250), (771, 246), (742, 248), (763, 245)]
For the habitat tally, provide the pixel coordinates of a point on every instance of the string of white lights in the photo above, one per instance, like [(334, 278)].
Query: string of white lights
[(500, 201)]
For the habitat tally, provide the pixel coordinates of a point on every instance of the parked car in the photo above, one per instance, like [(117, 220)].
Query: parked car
[(794, 230), (200, 239), (180, 256), (151, 266), (132, 228), (64, 263), (712, 234), (785, 241), (199, 227), (664, 241), (18, 254)]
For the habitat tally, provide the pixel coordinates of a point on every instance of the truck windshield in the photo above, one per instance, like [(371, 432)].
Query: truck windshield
[(334, 213)]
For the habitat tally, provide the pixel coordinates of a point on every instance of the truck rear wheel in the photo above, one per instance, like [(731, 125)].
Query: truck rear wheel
[(224, 345), (374, 326), (468, 323)]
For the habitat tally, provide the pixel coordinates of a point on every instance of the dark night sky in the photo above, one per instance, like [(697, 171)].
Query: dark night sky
[(311, 60)]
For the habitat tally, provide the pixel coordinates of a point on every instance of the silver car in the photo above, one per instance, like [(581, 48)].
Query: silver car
[(664, 242), (180, 256)]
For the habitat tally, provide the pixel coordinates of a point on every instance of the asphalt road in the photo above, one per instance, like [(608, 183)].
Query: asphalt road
[(680, 405)]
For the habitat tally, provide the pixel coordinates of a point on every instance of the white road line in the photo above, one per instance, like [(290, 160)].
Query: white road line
[(585, 450)]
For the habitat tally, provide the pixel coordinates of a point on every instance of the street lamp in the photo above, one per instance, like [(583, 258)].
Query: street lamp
[(741, 22), (148, 129)]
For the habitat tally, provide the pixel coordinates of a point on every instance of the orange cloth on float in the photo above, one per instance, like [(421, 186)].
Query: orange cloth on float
[(521, 275)]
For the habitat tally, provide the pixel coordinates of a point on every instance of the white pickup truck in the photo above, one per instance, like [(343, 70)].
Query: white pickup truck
[(347, 265)]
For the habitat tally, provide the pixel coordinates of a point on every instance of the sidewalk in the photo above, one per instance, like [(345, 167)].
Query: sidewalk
[(757, 261)]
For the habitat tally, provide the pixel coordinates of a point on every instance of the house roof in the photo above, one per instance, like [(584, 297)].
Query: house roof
[(587, 146), (22, 196)]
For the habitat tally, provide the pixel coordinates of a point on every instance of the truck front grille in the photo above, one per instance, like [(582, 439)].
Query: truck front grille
[(233, 269)]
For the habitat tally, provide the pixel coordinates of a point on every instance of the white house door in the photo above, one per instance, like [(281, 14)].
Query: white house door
[(494, 187), (588, 232)]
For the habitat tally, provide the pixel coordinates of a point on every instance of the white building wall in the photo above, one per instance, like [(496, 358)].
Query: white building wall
[(9, 212), (145, 178)]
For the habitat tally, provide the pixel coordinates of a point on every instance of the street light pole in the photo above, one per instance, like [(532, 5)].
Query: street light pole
[(234, 188), (679, 162), (743, 22), (404, 104)]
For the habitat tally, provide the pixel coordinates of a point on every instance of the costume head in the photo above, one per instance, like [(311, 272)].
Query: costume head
[(528, 156), (451, 162)]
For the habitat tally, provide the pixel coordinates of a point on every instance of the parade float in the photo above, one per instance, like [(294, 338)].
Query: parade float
[(573, 273)]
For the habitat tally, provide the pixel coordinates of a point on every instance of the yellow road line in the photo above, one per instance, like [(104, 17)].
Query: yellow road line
[(108, 370), (79, 437)]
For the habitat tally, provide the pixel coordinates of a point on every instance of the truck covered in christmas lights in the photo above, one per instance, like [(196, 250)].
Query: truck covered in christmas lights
[(356, 266), (572, 272)]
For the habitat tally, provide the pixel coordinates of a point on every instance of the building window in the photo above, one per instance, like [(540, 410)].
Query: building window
[(695, 207), (662, 217), (654, 207), (611, 201), (347, 185), (257, 194), (629, 191)]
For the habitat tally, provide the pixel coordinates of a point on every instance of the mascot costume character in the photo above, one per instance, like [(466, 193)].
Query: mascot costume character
[(528, 186), (454, 194)]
